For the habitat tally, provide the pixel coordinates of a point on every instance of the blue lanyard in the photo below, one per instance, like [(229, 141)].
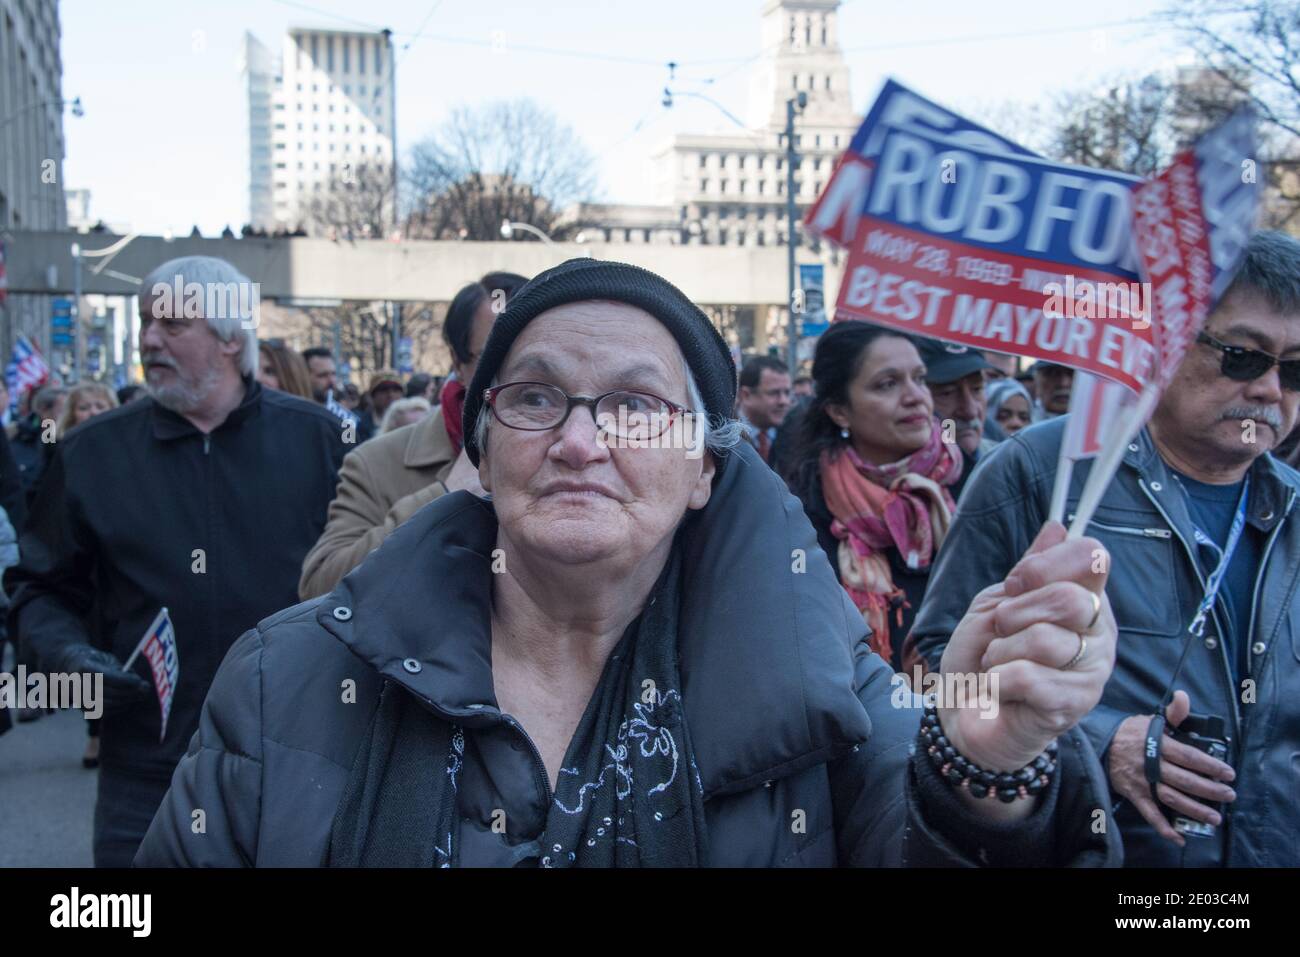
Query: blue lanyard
[(1213, 583)]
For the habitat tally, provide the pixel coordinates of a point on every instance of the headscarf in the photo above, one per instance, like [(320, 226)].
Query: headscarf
[(997, 393)]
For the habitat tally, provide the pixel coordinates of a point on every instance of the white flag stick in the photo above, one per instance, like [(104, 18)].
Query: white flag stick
[(1112, 451), (1064, 469)]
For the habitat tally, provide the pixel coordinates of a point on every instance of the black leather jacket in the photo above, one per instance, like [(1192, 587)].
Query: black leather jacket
[(1154, 588)]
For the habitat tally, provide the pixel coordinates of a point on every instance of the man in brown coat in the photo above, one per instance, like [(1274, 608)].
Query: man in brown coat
[(382, 483), (386, 480)]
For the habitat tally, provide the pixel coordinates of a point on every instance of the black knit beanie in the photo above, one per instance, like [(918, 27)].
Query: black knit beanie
[(582, 280)]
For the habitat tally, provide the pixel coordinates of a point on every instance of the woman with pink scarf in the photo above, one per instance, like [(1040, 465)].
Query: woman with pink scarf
[(875, 477)]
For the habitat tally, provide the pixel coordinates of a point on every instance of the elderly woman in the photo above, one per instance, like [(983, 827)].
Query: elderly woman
[(633, 654)]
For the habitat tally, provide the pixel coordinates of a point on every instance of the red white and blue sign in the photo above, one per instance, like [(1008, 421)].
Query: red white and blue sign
[(963, 236), (26, 370), (158, 646), (1192, 223)]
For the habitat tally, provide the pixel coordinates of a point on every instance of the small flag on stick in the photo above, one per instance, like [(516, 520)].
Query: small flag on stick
[(159, 649)]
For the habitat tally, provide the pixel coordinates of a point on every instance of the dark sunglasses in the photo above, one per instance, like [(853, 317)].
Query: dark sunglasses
[(1243, 365)]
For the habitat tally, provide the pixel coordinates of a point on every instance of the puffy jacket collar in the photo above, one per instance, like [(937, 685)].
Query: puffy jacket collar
[(169, 425), (1272, 484), (766, 637)]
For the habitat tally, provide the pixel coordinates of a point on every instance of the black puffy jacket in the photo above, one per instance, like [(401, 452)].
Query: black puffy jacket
[(140, 510), (1154, 588), (787, 710)]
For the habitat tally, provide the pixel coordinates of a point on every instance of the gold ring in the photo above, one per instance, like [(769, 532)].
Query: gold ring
[(1083, 647), (1096, 611)]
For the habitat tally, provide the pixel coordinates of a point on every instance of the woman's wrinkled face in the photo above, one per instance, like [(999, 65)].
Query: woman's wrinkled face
[(563, 496), (1013, 415), (889, 413)]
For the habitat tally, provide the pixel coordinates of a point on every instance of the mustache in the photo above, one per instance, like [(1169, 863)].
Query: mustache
[(1258, 413), (157, 358)]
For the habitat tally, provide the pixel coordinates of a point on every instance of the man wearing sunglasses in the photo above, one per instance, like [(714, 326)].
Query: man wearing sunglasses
[(1170, 520)]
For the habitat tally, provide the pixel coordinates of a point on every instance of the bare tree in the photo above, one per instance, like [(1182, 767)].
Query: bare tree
[(1252, 47), (505, 160), (1249, 52), (358, 203), (1129, 127)]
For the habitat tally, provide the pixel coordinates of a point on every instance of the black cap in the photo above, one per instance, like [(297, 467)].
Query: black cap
[(583, 280), (1042, 365), (948, 361)]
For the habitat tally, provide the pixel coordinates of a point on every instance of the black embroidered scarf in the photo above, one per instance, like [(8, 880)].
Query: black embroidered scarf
[(628, 794)]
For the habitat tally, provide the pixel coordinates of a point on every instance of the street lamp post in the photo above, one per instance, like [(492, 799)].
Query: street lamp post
[(792, 106), (508, 230), (76, 312)]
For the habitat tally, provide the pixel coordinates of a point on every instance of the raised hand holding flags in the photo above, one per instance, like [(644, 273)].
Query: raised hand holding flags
[(1191, 224), (956, 233)]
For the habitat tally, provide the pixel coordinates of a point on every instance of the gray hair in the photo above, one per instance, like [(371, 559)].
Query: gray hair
[(1270, 272), (721, 433), (398, 408), (45, 397), (227, 295)]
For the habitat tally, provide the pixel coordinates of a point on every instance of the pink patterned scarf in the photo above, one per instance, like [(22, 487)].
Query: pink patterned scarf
[(905, 505)]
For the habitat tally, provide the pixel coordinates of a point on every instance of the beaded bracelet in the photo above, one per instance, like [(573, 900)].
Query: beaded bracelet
[(1009, 786)]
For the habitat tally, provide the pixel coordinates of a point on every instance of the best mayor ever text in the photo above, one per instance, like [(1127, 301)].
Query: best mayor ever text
[(1051, 245)]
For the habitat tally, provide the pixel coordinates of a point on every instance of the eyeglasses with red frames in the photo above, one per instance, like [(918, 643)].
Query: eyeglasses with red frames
[(624, 413)]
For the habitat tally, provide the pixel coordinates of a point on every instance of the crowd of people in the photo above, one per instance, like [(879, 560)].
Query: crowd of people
[(472, 620)]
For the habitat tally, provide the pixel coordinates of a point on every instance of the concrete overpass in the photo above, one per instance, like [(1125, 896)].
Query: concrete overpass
[(41, 264)]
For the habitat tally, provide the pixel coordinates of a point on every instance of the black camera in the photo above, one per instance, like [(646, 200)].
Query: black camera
[(1208, 733)]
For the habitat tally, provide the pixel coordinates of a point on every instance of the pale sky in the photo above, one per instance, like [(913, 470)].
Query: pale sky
[(162, 143)]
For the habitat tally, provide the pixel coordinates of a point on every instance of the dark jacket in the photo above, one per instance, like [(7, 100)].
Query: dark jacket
[(1154, 589), (912, 581), (12, 497), (786, 708), (141, 510), (28, 454)]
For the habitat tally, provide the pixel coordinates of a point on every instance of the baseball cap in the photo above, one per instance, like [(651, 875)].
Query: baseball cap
[(948, 361)]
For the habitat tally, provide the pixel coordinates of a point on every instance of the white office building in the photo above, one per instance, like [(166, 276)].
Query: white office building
[(320, 114), (730, 189)]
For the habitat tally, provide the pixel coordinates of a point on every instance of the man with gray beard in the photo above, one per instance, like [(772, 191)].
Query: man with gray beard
[(202, 499), (1197, 484)]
